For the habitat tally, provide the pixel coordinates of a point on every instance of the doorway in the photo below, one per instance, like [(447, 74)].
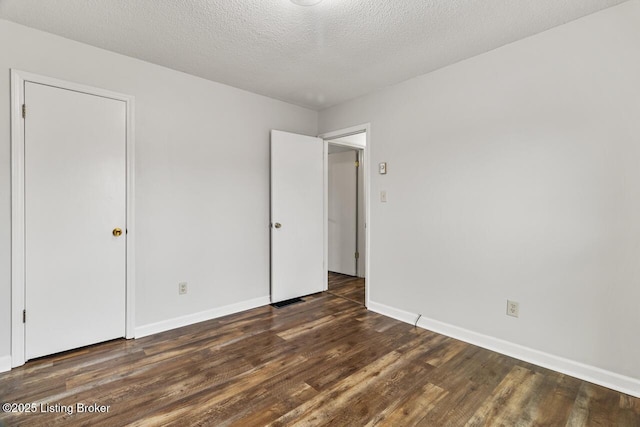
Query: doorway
[(300, 211), (72, 216), (346, 211)]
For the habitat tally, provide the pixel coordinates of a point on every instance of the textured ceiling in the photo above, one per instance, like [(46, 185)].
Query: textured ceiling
[(314, 56)]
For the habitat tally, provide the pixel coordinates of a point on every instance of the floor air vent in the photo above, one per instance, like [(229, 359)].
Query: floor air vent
[(287, 302)]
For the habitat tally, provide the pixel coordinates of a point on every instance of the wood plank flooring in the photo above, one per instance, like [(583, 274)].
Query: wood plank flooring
[(326, 361), (349, 287)]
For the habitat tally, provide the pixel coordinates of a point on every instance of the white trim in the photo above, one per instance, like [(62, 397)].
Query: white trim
[(17, 220), (131, 253), (612, 380), (18, 79), (366, 149), (5, 363), (347, 132), (189, 319), (394, 313), (325, 213)]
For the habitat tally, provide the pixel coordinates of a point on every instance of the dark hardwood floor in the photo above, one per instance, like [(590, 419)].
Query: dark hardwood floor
[(349, 287), (326, 361)]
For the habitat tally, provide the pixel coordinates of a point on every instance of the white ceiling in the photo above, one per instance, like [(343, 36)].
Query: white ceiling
[(314, 56)]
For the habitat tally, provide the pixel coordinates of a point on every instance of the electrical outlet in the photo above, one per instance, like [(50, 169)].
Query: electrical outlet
[(513, 308), (182, 288)]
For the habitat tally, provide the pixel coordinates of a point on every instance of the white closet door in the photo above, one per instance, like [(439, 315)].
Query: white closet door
[(75, 196)]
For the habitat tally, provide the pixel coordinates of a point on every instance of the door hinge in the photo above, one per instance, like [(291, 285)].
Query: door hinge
[(24, 110), (357, 255), (24, 316), (357, 164)]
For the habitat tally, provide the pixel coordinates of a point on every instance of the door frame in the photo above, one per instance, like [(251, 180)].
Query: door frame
[(331, 137), (18, 287)]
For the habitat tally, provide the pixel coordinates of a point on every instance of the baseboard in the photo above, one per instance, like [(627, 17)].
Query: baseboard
[(612, 380), (5, 363), (178, 322)]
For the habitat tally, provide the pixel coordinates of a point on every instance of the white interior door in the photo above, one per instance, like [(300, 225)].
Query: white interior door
[(342, 181), (75, 192), (297, 216)]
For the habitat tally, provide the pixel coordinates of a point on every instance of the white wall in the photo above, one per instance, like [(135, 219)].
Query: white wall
[(202, 183), (516, 174)]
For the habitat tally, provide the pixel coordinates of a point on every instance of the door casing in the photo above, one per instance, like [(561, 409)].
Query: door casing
[(18, 79)]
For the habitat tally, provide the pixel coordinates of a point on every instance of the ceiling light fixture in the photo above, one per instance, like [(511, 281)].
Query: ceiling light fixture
[(306, 2)]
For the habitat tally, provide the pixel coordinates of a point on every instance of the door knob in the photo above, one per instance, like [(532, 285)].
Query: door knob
[(117, 232), (277, 225)]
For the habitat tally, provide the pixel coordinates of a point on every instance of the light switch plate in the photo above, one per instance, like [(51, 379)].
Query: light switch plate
[(382, 168)]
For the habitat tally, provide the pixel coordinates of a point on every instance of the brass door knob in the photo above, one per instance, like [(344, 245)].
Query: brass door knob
[(117, 232), (277, 225)]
